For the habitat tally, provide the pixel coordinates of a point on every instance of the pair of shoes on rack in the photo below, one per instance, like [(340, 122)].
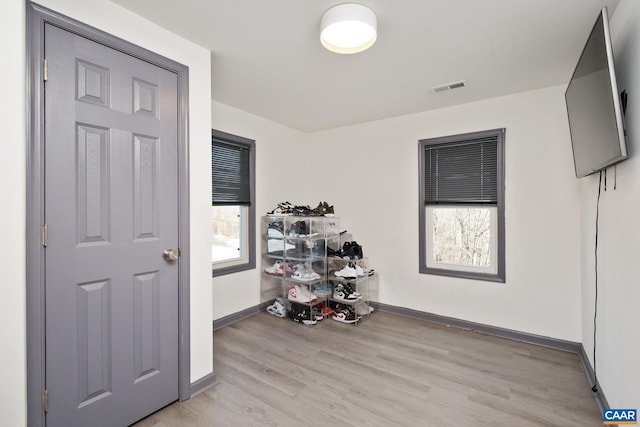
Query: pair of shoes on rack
[(304, 314), (323, 209), (345, 314), (277, 227), (349, 250), (278, 268), (344, 292), (304, 273), (284, 208), (278, 308), (350, 271), (299, 229), (300, 293), (352, 250), (302, 210)]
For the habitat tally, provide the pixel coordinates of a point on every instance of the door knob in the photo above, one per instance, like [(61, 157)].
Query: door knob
[(171, 254)]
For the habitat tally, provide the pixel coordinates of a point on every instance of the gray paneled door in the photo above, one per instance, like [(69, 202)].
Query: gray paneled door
[(111, 207)]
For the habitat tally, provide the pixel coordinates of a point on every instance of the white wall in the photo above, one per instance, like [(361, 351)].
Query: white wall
[(370, 173), (117, 21), (12, 217), (281, 156), (618, 341)]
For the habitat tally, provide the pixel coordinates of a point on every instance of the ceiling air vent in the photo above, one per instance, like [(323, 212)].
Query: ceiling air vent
[(449, 86)]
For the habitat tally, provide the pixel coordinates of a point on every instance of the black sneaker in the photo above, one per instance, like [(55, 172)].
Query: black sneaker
[(352, 250), (284, 208), (303, 210), (356, 250), (298, 228), (302, 314), (341, 293)]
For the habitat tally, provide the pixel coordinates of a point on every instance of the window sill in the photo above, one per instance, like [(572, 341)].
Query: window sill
[(217, 272), (498, 278)]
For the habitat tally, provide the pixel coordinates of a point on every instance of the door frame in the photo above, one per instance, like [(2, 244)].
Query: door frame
[(37, 16)]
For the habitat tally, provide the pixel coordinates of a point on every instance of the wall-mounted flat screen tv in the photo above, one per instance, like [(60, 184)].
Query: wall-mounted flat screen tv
[(593, 105)]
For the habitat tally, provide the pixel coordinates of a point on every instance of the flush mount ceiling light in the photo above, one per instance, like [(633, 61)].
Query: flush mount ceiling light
[(348, 28)]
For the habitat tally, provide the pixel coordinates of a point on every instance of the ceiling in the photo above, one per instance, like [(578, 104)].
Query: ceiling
[(267, 58)]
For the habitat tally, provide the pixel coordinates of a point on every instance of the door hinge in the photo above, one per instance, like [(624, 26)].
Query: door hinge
[(45, 70), (45, 401), (45, 235)]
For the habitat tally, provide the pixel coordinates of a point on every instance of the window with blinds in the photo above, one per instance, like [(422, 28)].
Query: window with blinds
[(464, 172), (230, 172), (462, 205), (232, 203)]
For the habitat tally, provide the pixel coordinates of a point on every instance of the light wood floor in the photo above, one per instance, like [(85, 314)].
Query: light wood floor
[(388, 371)]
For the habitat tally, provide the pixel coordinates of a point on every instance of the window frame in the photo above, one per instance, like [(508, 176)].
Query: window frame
[(247, 262), (424, 241)]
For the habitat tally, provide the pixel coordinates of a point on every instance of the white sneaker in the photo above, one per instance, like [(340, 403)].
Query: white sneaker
[(300, 294), (347, 272), (277, 269), (301, 272), (295, 294), (277, 309)]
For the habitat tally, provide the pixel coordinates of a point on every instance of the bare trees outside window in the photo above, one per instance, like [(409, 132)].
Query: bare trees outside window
[(226, 228), (462, 236)]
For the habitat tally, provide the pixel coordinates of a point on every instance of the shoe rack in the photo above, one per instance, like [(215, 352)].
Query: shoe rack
[(296, 267)]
